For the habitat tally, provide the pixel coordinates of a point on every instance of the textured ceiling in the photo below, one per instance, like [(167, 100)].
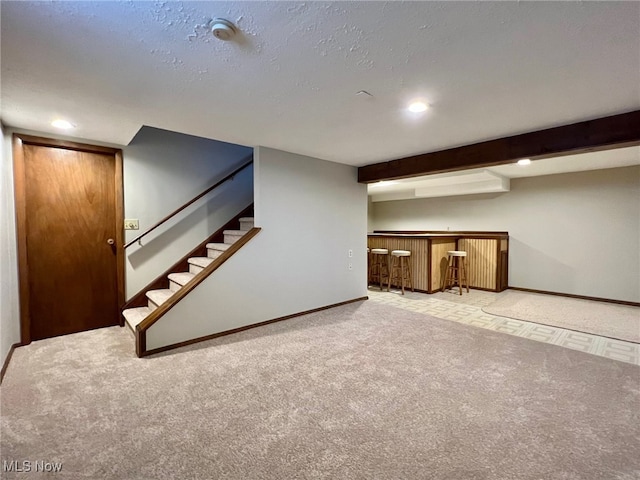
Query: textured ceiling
[(289, 81)]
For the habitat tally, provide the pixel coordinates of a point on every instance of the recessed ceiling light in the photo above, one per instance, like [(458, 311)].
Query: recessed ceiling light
[(524, 161), (63, 124), (417, 107)]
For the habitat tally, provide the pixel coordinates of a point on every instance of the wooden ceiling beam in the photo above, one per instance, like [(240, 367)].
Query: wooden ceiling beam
[(605, 133)]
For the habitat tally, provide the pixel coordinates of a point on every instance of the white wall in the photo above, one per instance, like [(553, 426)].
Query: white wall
[(576, 233), (162, 171), (311, 213), (9, 294)]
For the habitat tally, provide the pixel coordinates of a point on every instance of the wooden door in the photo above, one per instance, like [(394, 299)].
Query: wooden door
[(69, 210)]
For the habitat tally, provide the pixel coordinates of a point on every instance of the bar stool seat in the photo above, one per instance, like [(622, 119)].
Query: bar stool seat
[(456, 270), (400, 268), (379, 271)]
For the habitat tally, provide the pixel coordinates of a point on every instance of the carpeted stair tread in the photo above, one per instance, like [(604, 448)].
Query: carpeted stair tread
[(234, 232), (200, 261), (214, 250), (134, 316), (181, 278), (246, 219), (218, 246), (159, 296)]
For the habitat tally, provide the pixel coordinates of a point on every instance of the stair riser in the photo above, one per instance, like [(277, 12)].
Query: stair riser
[(246, 226), (152, 306), (214, 253), (230, 239), (131, 328), (173, 286), (195, 269)]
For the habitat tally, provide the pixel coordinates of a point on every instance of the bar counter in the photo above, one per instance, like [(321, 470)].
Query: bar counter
[(487, 256)]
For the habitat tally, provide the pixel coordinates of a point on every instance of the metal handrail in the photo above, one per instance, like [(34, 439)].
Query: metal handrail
[(190, 202)]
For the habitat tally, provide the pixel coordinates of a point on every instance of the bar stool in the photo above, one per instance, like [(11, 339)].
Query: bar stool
[(400, 268), (380, 266), (456, 270)]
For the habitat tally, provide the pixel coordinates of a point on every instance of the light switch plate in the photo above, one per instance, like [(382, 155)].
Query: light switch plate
[(131, 224)]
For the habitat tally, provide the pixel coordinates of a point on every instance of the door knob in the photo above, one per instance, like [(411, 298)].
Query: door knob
[(111, 241)]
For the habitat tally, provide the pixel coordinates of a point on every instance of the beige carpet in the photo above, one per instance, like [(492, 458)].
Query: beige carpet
[(599, 318), (363, 391)]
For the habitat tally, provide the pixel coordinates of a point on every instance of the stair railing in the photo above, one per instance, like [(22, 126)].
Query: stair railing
[(189, 203)]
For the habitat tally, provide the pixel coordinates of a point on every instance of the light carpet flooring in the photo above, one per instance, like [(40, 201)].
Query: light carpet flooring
[(468, 309), (362, 391), (621, 322)]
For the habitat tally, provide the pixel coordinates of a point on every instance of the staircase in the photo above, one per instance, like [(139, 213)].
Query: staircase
[(177, 280)]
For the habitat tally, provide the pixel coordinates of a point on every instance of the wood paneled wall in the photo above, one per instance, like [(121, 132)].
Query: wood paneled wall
[(418, 260), (439, 261), (482, 261)]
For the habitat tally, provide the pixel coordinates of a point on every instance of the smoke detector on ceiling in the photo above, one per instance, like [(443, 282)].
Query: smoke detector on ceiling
[(223, 29)]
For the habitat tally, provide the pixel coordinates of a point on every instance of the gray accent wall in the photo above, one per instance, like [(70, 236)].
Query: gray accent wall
[(164, 170), (312, 212), (575, 233)]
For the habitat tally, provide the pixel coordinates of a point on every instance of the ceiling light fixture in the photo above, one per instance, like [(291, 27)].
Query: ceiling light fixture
[(223, 29), (63, 124), (524, 161), (418, 107)]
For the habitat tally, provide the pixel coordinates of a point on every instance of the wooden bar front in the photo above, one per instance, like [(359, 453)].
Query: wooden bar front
[(487, 256)]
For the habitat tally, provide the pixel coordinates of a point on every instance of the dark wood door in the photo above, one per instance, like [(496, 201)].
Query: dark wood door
[(72, 236)]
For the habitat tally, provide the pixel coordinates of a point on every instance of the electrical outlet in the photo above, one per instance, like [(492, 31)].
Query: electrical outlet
[(351, 266), (131, 224), (350, 253)]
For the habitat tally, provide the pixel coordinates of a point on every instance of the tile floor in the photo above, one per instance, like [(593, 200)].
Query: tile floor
[(467, 308)]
